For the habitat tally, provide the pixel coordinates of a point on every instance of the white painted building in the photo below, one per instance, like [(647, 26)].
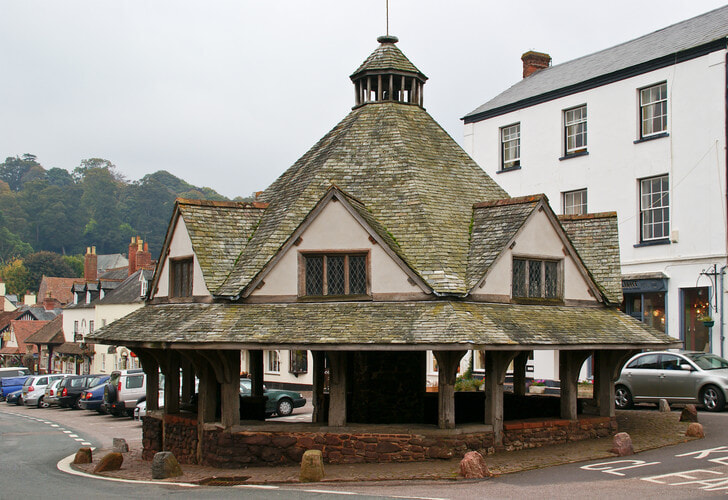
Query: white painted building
[(640, 129)]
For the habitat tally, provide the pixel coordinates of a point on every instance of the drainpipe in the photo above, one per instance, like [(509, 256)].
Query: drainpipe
[(722, 296)]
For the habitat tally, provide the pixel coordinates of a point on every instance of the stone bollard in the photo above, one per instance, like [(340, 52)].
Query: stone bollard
[(164, 465), (622, 444), (689, 414), (473, 466), (695, 430), (312, 466), (112, 461), (83, 456), (119, 445), (664, 406)]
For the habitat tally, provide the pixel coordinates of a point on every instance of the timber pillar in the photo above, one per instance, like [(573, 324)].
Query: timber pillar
[(337, 388), (447, 368), (496, 364), (569, 366)]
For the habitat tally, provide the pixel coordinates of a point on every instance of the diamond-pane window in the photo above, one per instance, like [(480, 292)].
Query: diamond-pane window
[(314, 275), (335, 275), (338, 274), (357, 275), (535, 279)]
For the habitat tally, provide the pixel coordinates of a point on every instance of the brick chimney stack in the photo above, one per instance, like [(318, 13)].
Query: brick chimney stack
[(143, 257), (132, 255), (534, 61), (90, 265)]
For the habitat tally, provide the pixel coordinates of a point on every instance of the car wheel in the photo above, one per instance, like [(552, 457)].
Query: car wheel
[(285, 407), (42, 403), (712, 398), (622, 398)]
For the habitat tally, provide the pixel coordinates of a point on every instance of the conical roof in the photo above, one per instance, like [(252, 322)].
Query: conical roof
[(405, 169), (387, 57)]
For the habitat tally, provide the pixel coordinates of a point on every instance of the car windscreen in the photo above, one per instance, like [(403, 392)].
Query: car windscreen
[(707, 361)]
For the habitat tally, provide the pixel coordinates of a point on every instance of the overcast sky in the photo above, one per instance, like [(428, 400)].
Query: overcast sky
[(229, 93)]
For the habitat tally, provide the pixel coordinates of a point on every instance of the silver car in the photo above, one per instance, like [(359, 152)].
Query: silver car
[(678, 377)]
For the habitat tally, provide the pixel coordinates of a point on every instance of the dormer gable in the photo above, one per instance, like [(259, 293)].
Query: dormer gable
[(338, 251), (524, 255)]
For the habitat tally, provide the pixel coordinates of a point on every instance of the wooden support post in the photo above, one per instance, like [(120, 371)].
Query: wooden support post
[(230, 390), (188, 380), (151, 370), (319, 412), (496, 365), (337, 388), (171, 383), (519, 373), (447, 368), (569, 366)]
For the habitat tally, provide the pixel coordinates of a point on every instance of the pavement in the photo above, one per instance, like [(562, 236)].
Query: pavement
[(648, 429)]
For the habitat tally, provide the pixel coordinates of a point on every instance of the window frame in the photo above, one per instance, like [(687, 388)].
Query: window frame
[(644, 211), (575, 123), (526, 285), (514, 163), (325, 254), (642, 107), (175, 263), (584, 199)]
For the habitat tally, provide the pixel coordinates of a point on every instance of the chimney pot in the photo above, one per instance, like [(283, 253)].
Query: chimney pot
[(534, 61)]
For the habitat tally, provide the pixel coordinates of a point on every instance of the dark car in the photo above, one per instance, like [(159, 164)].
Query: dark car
[(70, 389), (92, 398), (15, 398), (278, 401)]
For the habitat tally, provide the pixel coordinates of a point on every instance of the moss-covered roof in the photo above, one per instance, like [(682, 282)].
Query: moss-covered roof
[(382, 324), (595, 238), (387, 57), (218, 231), (411, 176)]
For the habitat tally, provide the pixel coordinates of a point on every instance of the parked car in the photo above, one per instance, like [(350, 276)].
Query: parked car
[(34, 389), (71, 388), (52, 392), (93, 398), (15, 398), (678, 377), (11, 384), (279, 402), (123, 391)]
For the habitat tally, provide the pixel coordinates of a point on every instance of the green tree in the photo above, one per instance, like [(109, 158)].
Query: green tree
[(41, 264), (16, 277)]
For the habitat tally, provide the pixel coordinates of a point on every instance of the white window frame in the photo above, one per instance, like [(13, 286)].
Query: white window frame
[(653, 106), (273, 364), (570, 204), (654, 208), (510, 141), (575, 126)]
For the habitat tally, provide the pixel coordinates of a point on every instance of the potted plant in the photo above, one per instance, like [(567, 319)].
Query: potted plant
[(708, 322)]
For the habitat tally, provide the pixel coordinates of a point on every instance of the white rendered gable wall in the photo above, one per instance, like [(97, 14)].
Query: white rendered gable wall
[(537, 239), (181, 246), (336, 229)]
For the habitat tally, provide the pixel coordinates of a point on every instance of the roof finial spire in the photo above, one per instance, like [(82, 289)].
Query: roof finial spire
[(387, 2)]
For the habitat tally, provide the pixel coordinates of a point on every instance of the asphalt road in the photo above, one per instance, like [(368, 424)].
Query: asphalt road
[(32, 441)]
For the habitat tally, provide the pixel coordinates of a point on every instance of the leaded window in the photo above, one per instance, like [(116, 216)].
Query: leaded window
[(653, 110), (575, 129), (335, 274), (511, 146), (536, 279), (655, 208), (180, 277)]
